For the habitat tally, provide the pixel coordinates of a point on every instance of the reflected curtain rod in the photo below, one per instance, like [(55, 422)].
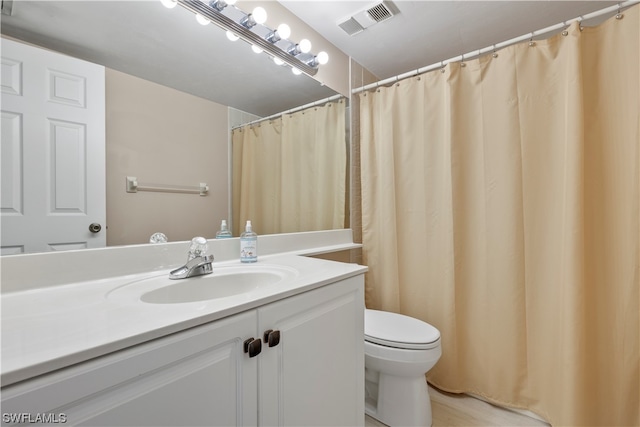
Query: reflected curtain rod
[(293, 110), (479, 52)]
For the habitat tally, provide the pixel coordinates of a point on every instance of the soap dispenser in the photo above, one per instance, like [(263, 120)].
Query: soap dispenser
[(224, 232), (248, 244)]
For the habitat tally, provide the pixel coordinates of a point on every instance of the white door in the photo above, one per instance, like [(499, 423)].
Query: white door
[(53, 151)]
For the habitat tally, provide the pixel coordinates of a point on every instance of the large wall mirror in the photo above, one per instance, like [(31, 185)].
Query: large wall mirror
[(174, 90)]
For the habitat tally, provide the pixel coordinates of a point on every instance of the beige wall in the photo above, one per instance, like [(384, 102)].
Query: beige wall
[(163, 136)]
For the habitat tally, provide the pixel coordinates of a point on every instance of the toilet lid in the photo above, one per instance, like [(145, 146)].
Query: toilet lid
[(399, 331)]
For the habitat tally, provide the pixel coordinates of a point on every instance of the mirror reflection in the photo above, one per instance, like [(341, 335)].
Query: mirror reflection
[(173, 91), (290, 172)]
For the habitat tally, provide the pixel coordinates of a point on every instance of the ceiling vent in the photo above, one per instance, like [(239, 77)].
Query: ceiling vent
[(380, 12), (351, 26), (357, 23)]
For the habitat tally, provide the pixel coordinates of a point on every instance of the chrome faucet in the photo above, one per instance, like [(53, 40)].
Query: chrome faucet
[(198, 262)]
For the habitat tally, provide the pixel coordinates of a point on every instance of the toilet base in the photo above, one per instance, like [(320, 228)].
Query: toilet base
[(397, 401)]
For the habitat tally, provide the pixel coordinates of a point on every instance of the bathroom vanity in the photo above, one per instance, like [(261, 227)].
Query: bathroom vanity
[(94, 353)]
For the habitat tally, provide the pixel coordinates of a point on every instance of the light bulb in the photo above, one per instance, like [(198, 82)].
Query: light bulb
[(278, 61), (295, 71), (284, 31), (169, 4), (322, 57), (256, 49), (201, 19), (305, 46), (232, 36), (259, 15)]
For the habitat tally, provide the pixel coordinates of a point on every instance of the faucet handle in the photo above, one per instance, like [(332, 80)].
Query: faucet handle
[(198, 248)]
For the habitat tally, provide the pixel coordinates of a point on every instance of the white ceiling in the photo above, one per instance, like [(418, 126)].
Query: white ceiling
[(427, 32), (144, 39)]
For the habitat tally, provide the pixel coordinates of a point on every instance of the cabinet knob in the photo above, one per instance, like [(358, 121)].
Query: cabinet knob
[(253, 347), (272, 337)]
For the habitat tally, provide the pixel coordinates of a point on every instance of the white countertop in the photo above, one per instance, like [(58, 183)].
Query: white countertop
[(38, 270), (53, 327)]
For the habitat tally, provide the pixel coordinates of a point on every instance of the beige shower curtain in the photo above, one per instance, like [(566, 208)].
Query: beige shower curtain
[(500, 203), (289, 173)]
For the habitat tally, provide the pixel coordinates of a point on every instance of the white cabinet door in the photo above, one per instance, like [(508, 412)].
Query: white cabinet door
[(315, 375), (194, 378), (53, 151)]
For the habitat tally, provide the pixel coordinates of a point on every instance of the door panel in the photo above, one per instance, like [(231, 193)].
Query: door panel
[(53, 151)]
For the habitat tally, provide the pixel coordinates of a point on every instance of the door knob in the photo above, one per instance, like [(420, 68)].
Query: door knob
[(94, 227), (272, 337), (253, 347)]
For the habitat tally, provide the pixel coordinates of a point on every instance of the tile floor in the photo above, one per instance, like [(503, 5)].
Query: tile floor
[(449, 410)]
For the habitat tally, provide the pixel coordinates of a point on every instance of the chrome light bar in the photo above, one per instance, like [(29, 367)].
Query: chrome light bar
[(226, 23)]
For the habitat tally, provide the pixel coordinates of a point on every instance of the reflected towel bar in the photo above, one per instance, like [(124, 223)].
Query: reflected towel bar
[(133, 186)]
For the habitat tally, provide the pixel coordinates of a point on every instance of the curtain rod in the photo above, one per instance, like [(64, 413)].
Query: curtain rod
[(479, 52), (293, 110)]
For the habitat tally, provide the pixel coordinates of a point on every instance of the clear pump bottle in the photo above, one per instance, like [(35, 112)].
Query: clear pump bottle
[(224, 232), (248, 244)]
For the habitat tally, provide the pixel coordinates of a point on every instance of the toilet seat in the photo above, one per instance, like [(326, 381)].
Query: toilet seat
[(399, 331)]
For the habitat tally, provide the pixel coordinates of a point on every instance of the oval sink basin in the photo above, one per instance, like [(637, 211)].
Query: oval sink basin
[(211, 286), (224, 282)]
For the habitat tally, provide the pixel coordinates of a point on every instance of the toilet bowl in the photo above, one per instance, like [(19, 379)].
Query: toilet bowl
[(398, 351)]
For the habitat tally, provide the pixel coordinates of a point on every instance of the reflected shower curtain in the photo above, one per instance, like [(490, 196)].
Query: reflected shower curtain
[(289, 173), (500, 203)]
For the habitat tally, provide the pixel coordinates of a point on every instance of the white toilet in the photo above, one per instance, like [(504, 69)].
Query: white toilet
[(398, 351)]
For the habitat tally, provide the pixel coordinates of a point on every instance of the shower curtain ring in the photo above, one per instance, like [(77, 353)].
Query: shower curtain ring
[(619, 15), (442, 65), (565, 32), (462, 64), (494, 54)]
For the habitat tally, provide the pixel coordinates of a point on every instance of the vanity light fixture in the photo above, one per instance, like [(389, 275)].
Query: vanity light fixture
[(249, 27)]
